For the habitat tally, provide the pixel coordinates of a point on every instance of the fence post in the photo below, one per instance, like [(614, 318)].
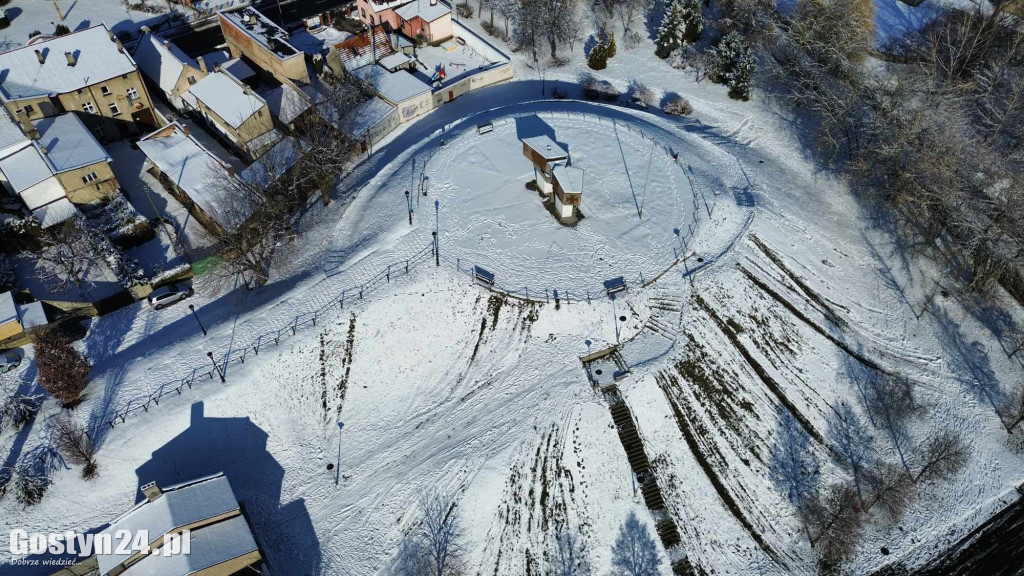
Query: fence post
[(389, 273), (360, 292), (406, 266), (342, 300), (256, 348), (546, 299)]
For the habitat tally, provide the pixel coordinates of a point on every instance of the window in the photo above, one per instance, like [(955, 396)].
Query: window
[(105, 91), (191, 79), (88, 107), (363, 10), (28, 110), (113, 109), (90, 177), (133, 94)]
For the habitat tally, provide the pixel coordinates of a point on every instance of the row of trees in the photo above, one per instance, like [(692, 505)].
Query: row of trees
[(436, 547)]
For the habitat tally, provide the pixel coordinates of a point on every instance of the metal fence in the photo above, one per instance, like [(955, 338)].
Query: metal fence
[(206, 369)]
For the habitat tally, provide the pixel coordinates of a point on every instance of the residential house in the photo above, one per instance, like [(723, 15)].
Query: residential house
[(430, 20), (220, 539), (194, 176), (358, 51), (234, 111), (166, 66), (87, 71)]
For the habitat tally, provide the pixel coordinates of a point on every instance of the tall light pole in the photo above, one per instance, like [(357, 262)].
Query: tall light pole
[(201, 327), (408, 203), (337, 469), (615, 316), (216, 367)]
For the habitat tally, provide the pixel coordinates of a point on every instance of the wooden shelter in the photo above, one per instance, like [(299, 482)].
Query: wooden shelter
[(544, 153)]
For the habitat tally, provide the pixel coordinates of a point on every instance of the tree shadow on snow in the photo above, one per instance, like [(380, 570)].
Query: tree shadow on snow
[(969, 360), (238, 448)]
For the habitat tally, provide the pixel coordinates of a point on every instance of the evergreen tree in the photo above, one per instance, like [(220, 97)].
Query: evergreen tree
[(609, 46), (598, 59), (742, 75), (672, 32), (683, 24)]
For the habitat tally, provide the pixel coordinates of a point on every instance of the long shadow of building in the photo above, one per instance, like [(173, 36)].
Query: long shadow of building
[(238, 448)]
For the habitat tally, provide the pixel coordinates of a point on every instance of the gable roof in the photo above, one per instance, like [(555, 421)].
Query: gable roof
[(68, 143), (26, 168), (161, 61), (98, 59), (55, 212), (423, 9), (285, 103), (208, 547), (8, 311), (10, 132), (190, 166), (396, 87), (227, 98), (177, 507)]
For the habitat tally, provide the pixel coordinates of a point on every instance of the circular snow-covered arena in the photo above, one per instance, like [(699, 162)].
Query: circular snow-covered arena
[(647, 191), (634, 199)]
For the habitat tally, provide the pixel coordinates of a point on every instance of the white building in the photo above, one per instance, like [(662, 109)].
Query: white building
[(568, 182), (544, 153)]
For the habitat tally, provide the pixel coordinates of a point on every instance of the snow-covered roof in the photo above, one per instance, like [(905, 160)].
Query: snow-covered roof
[(546, 147), (181, 506), (423, 9), (214, 58), (10, 132), (32, 315), (286, 103), (396, 87), (272, 164), (8, 311), (68, 143), (263, 30), (161, 61), (237, 68), (570, 178), (98, 59), (361, 119), (190, 166), (227, 98), (24, 169), (209, 546), (392, 61), (263, 141), (55, 212), (381, 5)]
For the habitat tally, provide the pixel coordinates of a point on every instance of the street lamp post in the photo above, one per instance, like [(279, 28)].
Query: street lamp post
[(437, 255), (337, 469), (408, 203), (201, 327), (216, 367), (615, 317)]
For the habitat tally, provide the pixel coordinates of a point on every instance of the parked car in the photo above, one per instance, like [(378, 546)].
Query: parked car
[(167, 295), (9, 361)]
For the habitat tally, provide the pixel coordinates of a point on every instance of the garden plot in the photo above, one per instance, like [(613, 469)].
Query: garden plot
[(634, 199)]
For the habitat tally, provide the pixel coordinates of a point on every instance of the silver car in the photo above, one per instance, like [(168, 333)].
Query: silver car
[(9, 361), (167, 295)]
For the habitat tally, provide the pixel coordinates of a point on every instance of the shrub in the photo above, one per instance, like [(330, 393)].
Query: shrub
[(74, 444), (598, 59), (610, 47), (559, 93), (63, 371), (29, 486), (465, 10), (61, 30), (640, 94), (678, 107)]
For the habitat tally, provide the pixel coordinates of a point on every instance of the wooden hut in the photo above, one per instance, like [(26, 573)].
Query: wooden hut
[(544, 153), (568, 185)]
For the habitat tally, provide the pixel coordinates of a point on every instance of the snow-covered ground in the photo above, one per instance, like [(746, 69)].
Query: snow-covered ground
[(442, 385), (27, 16)]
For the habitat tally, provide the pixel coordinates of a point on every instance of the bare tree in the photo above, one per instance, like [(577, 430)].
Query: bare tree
[(890, 487), (66, 255), (568, 557), (891, 399), (441, 535), (629, 11), (63, 370), (634, 552), (29, 485), (18, 410), (852, 442), (835, 520), (942, 456), (73, 442)]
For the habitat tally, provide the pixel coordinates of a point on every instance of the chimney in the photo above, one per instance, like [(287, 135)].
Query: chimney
[(151, 491), (145, 29), (167, 44), (40, 56), (202, 64), (120, 47), (27, 126), (111, 34), (184, 129), (72, 60), (231, 171), (433, 2)]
